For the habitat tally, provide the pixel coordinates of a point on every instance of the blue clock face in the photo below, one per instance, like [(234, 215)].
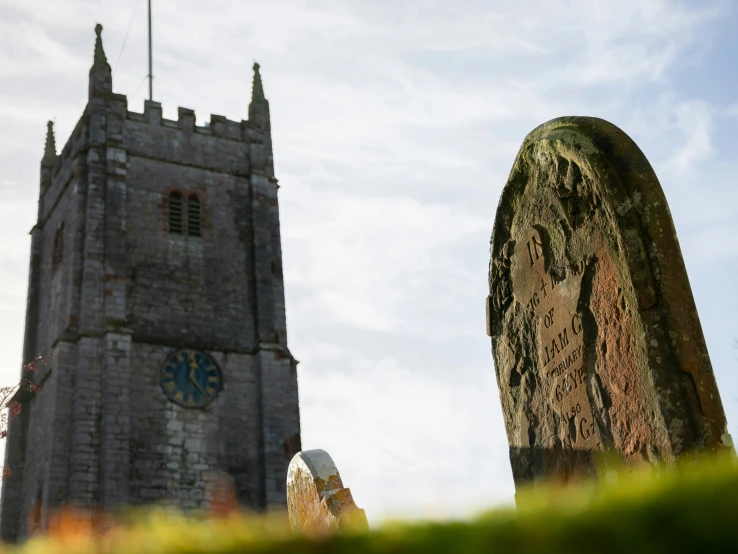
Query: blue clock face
[(190, 378)]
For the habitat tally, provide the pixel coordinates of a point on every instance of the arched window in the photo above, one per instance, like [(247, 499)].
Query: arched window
[(194, 227), (175, 213), (58, 251)]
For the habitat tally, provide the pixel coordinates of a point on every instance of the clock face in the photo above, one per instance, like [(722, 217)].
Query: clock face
[(190, 378)]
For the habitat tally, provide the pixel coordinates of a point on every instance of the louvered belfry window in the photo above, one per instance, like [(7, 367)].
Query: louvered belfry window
[(194, 226), (175, 213), (185, 215)]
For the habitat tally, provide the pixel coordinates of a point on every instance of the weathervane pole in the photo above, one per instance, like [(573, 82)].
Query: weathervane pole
[(151, 78)]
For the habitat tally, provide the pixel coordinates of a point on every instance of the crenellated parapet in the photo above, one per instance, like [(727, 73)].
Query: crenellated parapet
[(218, 126), (240, 147)]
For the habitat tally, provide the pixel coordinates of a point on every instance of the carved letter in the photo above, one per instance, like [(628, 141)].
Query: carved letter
[(554, 349), (548, 318), (584, 432), (576, 324), (564, 340)]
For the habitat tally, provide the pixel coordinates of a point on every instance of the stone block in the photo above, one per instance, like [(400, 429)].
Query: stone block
[(317, 503), (595, 335)]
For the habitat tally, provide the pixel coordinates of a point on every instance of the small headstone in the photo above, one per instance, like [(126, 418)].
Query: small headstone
[(595, 334), (317, 503)]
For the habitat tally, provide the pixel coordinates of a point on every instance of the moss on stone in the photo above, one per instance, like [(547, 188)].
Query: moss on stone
[(688, 509)]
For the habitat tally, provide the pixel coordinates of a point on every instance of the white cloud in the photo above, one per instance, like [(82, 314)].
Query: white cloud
[(413, 434), (675, 134), (694, 122), (622, 42), (353, 282)]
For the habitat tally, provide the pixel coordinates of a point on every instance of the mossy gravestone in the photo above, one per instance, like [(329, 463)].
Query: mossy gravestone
[(595, 335), (317, 502)]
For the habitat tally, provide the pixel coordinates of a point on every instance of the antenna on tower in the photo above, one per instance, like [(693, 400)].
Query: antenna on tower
[(151, 77)]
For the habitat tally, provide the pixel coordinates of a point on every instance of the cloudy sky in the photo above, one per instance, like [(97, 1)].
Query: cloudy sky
[(395, 124)]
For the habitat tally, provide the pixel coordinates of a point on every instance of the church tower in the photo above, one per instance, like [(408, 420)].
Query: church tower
[(156, 286)]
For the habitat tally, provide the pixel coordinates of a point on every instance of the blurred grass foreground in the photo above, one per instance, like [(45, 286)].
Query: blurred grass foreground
[(692, 508)]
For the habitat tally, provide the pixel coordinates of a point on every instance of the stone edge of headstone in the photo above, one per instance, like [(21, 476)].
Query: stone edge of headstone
[(617, 154), (337, 500)]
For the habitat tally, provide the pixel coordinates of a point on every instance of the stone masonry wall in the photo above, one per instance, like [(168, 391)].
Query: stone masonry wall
[(126, 294), (173, 448), (281, 421), (189, 290), (42, 479), (45, 478), (56, 310)]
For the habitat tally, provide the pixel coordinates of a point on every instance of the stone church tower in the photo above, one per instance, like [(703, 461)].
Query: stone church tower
[(156, 286)]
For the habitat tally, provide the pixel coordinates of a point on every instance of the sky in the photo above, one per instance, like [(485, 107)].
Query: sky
[(395, 124)]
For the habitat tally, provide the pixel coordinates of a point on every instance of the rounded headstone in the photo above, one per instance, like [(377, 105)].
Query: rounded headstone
[(317, 502), (595, 335)]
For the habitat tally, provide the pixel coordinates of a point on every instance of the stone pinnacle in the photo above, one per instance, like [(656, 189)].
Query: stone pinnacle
[(257, 93), (100, 59), (50, 148)]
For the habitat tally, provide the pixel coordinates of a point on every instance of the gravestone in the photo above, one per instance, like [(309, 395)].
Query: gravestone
[(317, 503), (595, 335)]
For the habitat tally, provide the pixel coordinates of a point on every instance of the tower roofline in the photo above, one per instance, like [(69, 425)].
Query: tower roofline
[(50, 147), (257, 89), (100, 59), (101, 77), (219, 125)]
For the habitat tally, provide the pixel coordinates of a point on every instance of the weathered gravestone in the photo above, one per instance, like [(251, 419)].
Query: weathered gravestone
[(317, 503), (595, 335)]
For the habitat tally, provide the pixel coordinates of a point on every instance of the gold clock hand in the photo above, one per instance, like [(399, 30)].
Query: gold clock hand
[(194, 380)]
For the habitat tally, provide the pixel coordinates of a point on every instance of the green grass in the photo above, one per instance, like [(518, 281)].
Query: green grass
[(693, 508)]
